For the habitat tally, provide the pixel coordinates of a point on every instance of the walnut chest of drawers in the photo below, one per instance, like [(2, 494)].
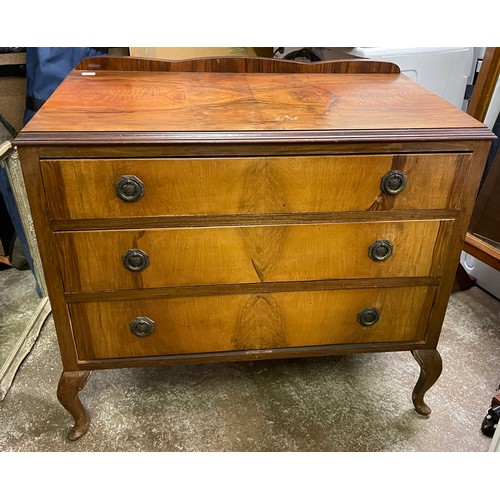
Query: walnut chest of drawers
[(188, 217)]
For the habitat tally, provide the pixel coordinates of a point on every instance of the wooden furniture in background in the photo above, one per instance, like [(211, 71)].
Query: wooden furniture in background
[(485, 84), (483, 236), (260, 210)]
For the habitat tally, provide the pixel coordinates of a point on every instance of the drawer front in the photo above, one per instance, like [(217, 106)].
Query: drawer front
[(183, 325), (86, 189), (110, 260)]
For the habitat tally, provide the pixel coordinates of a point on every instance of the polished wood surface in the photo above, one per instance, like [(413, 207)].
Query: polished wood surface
[(108, 101), (183, 257), (228, 64), (248, 322), (86, 188)]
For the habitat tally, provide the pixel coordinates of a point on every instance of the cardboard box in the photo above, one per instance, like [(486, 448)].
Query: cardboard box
[(194, 52)]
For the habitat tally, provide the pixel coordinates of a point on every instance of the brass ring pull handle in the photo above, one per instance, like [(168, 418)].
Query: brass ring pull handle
[(368, 316), (129, 188), (380, 250), (394, 182), (142, 326), (135, 260)]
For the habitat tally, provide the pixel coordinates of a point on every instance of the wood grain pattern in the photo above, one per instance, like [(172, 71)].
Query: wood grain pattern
[(232, 220), (86, 188), (116, 102), (48, 249), (228, 64), (466, 188), (183, 257), (250, 288), (226, 323)]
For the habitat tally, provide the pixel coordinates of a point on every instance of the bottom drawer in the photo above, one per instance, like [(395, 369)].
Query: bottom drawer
[(185, 325)]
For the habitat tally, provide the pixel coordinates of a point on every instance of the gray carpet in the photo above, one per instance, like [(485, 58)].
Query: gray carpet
[(19, 300), (349, 403)]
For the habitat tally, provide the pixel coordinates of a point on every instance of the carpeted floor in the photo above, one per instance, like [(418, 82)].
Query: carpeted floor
[(349, 403), (17, 303)]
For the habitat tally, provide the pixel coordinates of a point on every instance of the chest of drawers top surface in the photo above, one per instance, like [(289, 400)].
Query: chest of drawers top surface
[(114, 102)]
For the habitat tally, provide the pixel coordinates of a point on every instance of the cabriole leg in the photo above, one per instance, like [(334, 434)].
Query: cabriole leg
[(430, 369), (70, 384)]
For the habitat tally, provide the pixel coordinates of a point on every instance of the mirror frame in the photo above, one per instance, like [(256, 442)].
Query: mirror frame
[(9, 159)]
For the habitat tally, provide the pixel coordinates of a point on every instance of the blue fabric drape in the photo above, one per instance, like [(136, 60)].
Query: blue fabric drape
[(47, 67)]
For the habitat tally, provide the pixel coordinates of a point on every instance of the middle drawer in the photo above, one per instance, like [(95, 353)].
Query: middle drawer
[(155, 258)]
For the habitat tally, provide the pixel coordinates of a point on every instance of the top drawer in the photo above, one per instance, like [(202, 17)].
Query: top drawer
[(103, 188)]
